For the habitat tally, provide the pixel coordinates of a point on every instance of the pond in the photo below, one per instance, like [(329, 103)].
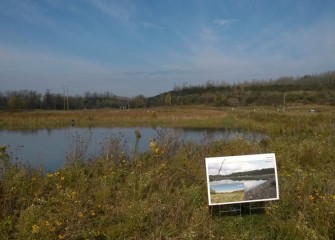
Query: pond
[(48, 148)]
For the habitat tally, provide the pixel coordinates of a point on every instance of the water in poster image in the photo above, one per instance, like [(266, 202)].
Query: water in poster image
[(247, 184)]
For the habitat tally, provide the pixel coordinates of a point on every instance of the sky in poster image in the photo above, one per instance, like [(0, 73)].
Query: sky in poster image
[(223, 166), (148, 47)]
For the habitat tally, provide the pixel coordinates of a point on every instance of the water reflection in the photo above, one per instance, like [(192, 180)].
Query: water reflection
[(48, 148), (248, 184)]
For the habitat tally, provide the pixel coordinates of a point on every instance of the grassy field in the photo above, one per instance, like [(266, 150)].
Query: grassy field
[(174, 117), (235, 196), (162, 193)]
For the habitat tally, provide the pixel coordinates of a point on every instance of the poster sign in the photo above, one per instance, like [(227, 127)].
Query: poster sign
[(240, 179)]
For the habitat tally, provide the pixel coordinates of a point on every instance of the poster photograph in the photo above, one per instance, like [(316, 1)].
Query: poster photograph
[(240, 179)]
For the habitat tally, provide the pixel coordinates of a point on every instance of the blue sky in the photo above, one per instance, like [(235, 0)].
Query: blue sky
[(148, 46)]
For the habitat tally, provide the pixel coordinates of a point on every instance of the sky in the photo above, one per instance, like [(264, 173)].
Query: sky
[(147, 47)]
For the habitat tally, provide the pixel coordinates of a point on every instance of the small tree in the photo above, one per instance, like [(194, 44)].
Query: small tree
[(47, 100), (12, 102), (168, 99)]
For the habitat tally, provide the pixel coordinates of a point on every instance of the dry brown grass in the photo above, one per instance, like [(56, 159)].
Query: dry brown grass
[(174, 117)]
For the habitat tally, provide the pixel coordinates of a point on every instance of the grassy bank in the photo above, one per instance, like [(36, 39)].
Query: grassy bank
[(162, 194), (174, 117)]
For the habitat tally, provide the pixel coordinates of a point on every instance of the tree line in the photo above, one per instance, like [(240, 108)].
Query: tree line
[(309, 89), (257, 172), (28, 99)]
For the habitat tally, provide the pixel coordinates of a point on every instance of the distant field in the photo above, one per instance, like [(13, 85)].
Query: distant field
[(195, 116), (174, 117), (227, 197)]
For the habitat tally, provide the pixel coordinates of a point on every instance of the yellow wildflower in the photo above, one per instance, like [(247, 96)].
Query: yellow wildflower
[(152, 145), (35, 229), (61, 236), (80, 214), (72, 195), (50, 175), (62, 178)]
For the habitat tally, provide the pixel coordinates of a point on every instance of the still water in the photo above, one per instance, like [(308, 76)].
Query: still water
[(48, 148), (235, 185)]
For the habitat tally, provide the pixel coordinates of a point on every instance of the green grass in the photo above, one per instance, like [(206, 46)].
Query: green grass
[(162, 194), (235, 196)]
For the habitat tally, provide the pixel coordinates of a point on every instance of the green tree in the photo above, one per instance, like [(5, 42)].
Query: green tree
[(168, 99), (138, 101), (12, 102)]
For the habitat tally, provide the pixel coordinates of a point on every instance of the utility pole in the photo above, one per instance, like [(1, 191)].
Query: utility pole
[(64, 96), (67, 97), (284, 100)]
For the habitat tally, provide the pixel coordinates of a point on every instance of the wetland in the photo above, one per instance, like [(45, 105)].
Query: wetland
[(161, 192)]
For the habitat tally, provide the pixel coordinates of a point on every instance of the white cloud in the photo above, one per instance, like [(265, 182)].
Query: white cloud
[(26, 61), (24, 69), (209, 36), (151, 25), (114, 9), (234, 164), (224, 22), (270, 53), (28, 11)]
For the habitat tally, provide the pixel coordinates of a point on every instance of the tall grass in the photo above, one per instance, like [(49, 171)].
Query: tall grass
[(106, 118), (162, 193)]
